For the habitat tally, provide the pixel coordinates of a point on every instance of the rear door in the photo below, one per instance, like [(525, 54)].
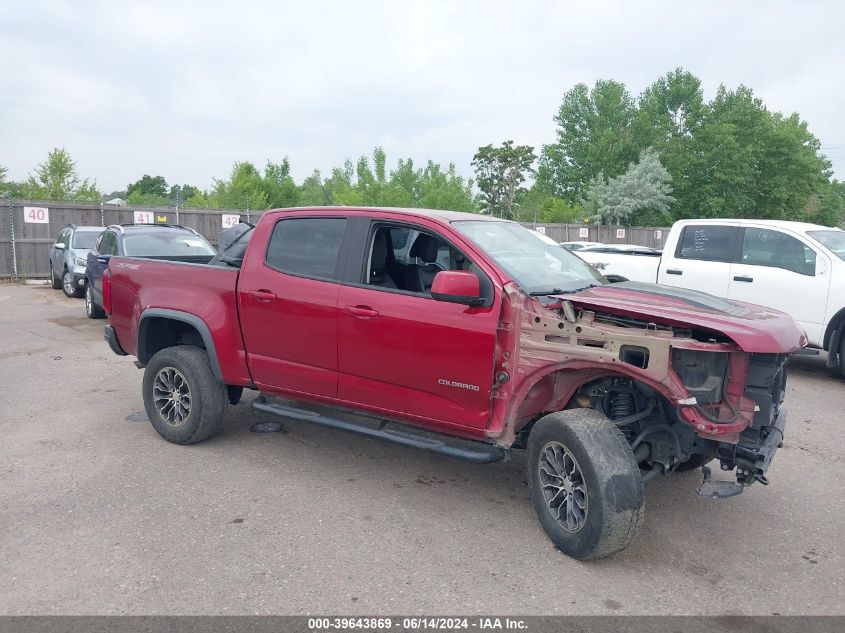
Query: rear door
[(405, 354), (288, 304), (781, 270), (702, 258)]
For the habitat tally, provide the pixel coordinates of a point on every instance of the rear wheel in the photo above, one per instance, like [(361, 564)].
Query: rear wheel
[(92, 310), (55, 282), (585, 483), (183, 399), (67, 286)]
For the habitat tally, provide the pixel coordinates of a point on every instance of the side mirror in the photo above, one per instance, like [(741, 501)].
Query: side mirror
[(103, 259), (59, 246), (457, 286)]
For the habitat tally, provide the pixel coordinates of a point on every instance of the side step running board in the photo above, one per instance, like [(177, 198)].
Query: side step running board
[(467, 450)]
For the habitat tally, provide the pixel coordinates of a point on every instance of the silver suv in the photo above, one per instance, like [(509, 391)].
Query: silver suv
[(68, 258)]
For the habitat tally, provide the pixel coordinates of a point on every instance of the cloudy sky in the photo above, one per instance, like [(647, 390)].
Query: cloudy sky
[(183, 89)]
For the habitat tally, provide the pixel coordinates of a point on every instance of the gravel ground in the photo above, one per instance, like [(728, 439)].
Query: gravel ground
[(98, 515)]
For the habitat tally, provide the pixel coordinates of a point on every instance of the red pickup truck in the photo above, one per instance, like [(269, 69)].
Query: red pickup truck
[(468, 336)]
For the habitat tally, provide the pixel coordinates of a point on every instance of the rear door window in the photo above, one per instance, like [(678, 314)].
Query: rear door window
[(306, 247), (711, 243)]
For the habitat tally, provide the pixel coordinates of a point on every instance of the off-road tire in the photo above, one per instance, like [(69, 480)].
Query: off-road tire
[(55, 283), (92, 310), (615, 505), (75, 292), (695, 461), (207, 395)]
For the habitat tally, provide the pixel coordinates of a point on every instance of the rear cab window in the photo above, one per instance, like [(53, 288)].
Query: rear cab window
[(306, 247), (708, 242)]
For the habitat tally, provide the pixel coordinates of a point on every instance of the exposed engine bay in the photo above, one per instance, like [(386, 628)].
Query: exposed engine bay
[(680, 395)]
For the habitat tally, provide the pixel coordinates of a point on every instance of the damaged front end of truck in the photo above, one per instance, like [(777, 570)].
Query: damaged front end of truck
[(686, 377)]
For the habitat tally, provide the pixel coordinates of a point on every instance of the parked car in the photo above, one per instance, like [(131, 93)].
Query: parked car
[(151, 241), (510, 343), (638, 262), (577, 246), (793, 267), (68, 257)]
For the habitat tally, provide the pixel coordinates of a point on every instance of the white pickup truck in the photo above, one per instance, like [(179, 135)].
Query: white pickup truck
[(793, 267)]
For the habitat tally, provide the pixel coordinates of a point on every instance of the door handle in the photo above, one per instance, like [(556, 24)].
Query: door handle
[(365, 312), (262, 295), (744, 278), (674, 271)]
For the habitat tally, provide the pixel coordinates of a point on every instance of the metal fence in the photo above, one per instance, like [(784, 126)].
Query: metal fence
[(30, 227)]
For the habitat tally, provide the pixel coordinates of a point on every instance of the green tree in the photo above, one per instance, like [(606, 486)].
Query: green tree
[(279, 185), (312, 193), (3, 184), (594, 136), (500, 173), (57, 179), (747, 162), (827, 207), (539, 205), (148, 186), (444, 189), (371, 184), (642, 195), (182, 193), (244, 189)]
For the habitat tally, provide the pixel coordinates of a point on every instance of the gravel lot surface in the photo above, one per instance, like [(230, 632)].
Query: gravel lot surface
[(98, 515)]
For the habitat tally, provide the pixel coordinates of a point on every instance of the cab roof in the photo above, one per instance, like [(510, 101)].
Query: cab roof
[(434, 214)]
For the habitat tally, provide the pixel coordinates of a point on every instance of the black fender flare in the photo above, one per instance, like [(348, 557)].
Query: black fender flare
[(185, 317)]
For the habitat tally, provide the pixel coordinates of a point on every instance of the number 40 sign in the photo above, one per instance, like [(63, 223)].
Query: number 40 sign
[(36, 215)]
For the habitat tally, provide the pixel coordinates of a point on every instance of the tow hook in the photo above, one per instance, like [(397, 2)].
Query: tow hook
[(717, 489)]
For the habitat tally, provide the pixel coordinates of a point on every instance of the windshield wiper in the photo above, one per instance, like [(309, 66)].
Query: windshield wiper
[(560, 291)]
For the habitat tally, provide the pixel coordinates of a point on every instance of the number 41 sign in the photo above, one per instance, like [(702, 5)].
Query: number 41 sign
[(36, 215)]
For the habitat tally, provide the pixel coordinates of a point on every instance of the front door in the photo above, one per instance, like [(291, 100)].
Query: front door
[(288, 306), (780, 271), (401, 351)]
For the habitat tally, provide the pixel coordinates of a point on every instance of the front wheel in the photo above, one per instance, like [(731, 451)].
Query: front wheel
[(183, 399), (585, 483), (67, 286), (92, 310)]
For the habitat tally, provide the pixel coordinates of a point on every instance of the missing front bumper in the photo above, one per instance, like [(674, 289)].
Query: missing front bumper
[(751, 460)]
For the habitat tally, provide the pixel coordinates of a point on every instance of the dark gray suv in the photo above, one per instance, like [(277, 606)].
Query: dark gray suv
[(68, 258)]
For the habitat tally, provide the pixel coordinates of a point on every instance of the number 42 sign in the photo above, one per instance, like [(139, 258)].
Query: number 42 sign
[(36, 215)]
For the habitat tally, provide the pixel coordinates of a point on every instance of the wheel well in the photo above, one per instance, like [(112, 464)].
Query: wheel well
[(834, 324), (158, 333)]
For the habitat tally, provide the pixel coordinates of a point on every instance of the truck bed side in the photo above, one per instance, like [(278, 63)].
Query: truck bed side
[(161, 303)]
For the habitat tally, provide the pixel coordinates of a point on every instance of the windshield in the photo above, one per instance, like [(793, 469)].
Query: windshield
[(833, 240), (84, 239), (538, 267), (166, 244)]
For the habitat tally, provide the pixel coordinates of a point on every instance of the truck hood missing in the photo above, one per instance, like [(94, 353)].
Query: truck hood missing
[(753, 328)]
